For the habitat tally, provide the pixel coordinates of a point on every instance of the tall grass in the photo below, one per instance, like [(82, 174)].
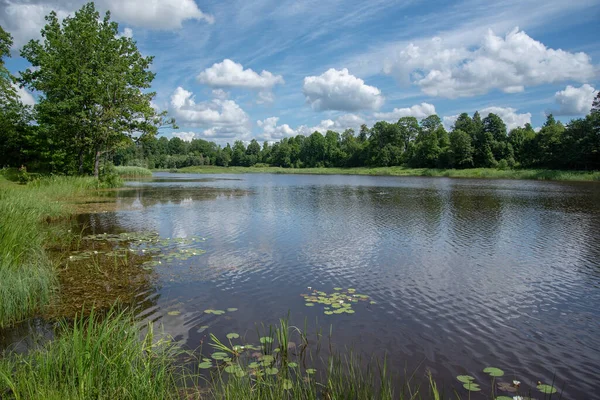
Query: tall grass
[(133, 172), (486, 173), (95, 357), (27, 277)]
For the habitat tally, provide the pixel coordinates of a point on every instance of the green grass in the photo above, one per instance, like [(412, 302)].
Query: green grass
[(27, 276), (110, 356), (485, 173), (95, 357), (133, 172)]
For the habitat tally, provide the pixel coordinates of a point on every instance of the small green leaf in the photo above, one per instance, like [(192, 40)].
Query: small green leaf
[(174, 312), (504, 398), (205, 365), (492, 371), (287, 384), (271, 371), (465, 378), (266, 339), (309, 304), (473, 387), (267, 358), (547, 389), (311, 371), (231, 309), (219, 355), (232, 335), (292, 365)]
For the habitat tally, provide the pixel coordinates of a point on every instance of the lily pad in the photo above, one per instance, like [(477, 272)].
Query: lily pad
[(266, 339), (292, 365), (492, 371), (218, 312), (309, 304), (219, 355), (465, 378), (231, 309), (253, 365), (504, 398), (232, 335), (267, 358), (311, 371), (174, 312), (286, 384), (271, 371), (205, 365), (473, 387), (547, 389), (328, 312)]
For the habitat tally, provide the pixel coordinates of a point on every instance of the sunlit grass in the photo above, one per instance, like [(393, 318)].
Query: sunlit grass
[(27, 277), (95, 357), (486, 173), (133, 172)]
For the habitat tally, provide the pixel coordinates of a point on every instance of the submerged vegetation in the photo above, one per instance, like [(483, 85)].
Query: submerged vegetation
[(27, 274)]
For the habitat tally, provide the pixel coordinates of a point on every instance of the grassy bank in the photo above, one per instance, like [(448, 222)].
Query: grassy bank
[(485, 173), (94, 358), (27, 276), (133, 172), (110, 356)]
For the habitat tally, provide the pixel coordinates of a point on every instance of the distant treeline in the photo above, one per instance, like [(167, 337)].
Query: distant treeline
[(94, 106), (473, 142)]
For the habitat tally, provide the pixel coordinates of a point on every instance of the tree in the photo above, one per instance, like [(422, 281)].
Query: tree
[(596, 104), (16, 132), (93, 84), (460, 150)]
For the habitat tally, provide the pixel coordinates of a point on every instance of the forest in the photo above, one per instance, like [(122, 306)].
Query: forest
[(94, 108)]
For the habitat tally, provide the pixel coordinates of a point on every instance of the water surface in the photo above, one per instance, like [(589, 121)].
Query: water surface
[(465, 273)]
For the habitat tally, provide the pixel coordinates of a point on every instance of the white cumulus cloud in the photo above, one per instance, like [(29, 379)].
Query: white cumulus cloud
[(25, 97), (418, 111), (185, 136), (229, 74), (508, 63), (271, 131), (155, 14), (340, 90), (25, 19), (220, 118), (574, 100), (509, 115)]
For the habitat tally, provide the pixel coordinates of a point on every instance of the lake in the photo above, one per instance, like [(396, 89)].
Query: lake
[(460, 274)]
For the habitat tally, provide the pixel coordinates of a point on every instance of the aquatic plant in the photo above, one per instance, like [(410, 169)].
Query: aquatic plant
[(338, 302)]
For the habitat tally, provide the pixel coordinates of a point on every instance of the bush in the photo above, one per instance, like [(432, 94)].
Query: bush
[(109, 177)]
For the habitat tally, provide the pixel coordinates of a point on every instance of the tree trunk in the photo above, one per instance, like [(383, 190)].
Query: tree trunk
[(97, 163)]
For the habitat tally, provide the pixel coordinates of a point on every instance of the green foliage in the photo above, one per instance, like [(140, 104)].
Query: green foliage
[(95, 357), (93, 84)]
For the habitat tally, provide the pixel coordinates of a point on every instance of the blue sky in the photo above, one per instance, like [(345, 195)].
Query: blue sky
[(264, 69)]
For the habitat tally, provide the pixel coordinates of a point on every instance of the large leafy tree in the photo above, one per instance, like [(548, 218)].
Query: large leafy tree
[(16, 131), (93, 85)]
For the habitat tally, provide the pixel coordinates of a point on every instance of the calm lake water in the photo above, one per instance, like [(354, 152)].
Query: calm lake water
[(464, 273)]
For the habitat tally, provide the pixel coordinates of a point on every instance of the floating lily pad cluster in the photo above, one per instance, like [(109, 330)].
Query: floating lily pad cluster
[(250, 360), (338, 302), (470, 384), (162, 250), (219, 312)]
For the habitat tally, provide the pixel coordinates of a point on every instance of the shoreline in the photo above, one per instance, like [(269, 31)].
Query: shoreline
[(472, 173)]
